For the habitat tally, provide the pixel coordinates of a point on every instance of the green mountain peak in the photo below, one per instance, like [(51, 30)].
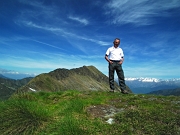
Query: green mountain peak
[(61, 79)]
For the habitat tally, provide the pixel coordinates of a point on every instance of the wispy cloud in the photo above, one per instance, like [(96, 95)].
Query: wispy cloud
[(48, 28), (48, 44), (14, 43), (80, 20), (29, 18), (41, 10), (139, 12), (64, 32)]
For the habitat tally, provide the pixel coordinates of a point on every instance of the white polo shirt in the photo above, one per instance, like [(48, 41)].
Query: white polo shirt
[(115, 53)]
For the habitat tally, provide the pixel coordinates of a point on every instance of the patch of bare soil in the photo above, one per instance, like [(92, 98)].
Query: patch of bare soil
[(105, 112)]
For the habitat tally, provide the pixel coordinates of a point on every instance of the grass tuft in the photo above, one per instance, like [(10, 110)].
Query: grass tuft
[(22, 117)]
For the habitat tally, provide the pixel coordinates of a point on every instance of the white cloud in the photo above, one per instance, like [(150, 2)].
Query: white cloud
[(65, 33), (48, 28), (40, 10), (139, 12), (4, 71), (80, 20), (59, 26), (47, 44)]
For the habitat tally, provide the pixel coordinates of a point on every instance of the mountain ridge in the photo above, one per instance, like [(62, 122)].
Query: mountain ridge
[(147, 79), (82, 78)]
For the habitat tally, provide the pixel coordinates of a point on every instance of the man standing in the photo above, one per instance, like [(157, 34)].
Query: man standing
[(115, 57)]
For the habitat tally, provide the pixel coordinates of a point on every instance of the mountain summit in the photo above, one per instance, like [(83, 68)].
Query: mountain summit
[(83, 78)]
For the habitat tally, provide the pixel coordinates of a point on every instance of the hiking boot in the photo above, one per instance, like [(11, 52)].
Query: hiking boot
[(111, 91), (124, 92)]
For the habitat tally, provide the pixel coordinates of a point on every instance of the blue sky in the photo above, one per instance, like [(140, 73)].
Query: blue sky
[(39, 36)]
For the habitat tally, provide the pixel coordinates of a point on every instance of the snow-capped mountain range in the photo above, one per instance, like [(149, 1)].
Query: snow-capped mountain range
[(142, 79), (146, 85)]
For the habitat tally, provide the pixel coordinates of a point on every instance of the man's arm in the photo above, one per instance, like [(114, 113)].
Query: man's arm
[(122, 59), (106, 57)]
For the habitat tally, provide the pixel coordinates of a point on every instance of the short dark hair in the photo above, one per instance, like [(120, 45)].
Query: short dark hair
[(117, 39)]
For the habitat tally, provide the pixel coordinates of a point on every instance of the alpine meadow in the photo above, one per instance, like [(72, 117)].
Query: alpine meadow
[(43, 106)]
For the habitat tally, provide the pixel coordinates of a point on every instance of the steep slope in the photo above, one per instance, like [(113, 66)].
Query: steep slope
[(83, 78), (168, 92)]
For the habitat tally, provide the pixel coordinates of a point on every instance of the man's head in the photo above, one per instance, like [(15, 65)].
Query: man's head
[(116, 42)]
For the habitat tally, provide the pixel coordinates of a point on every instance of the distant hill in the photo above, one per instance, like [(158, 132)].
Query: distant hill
[(1, 76), (83, 78), (5, 91), (9, 86), (168, 92)]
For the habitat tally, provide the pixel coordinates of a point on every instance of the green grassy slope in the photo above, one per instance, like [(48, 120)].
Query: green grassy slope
[(89, 113)]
